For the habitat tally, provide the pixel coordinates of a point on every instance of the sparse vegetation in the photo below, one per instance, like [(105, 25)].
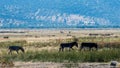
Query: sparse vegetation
[(73, 56), (17, 43), (108, 50)]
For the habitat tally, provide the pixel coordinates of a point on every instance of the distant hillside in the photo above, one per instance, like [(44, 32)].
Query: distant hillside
[(60, 14)]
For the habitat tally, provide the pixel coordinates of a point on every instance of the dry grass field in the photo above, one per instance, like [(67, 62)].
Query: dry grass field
[(39, 43), (45, 35)]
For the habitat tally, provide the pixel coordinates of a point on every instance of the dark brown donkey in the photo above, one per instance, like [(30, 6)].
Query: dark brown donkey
[(15, 48), (89, 45), (68, 45)]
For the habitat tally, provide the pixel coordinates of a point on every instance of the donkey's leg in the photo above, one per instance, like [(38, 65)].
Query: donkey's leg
[(90, 49), (70, 49), (80, 48), (62, 49), (96, 48), (17, 51), (59, 49), (10, 52)]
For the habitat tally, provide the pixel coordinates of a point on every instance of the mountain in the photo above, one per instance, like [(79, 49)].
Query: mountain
[(60, 14)]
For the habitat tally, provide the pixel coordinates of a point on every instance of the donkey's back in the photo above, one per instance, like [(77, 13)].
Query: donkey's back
[(87, 44), (65, 45), (15, 47)]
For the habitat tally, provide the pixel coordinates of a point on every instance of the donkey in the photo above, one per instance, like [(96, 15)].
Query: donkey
[(68, 45), (89, 45), (15, 48)]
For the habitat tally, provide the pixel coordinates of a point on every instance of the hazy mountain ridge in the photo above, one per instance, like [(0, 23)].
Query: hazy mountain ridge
[(59, 13)]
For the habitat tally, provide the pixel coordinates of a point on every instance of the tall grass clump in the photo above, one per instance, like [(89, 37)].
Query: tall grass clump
[(9, 43), (42, 44)]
